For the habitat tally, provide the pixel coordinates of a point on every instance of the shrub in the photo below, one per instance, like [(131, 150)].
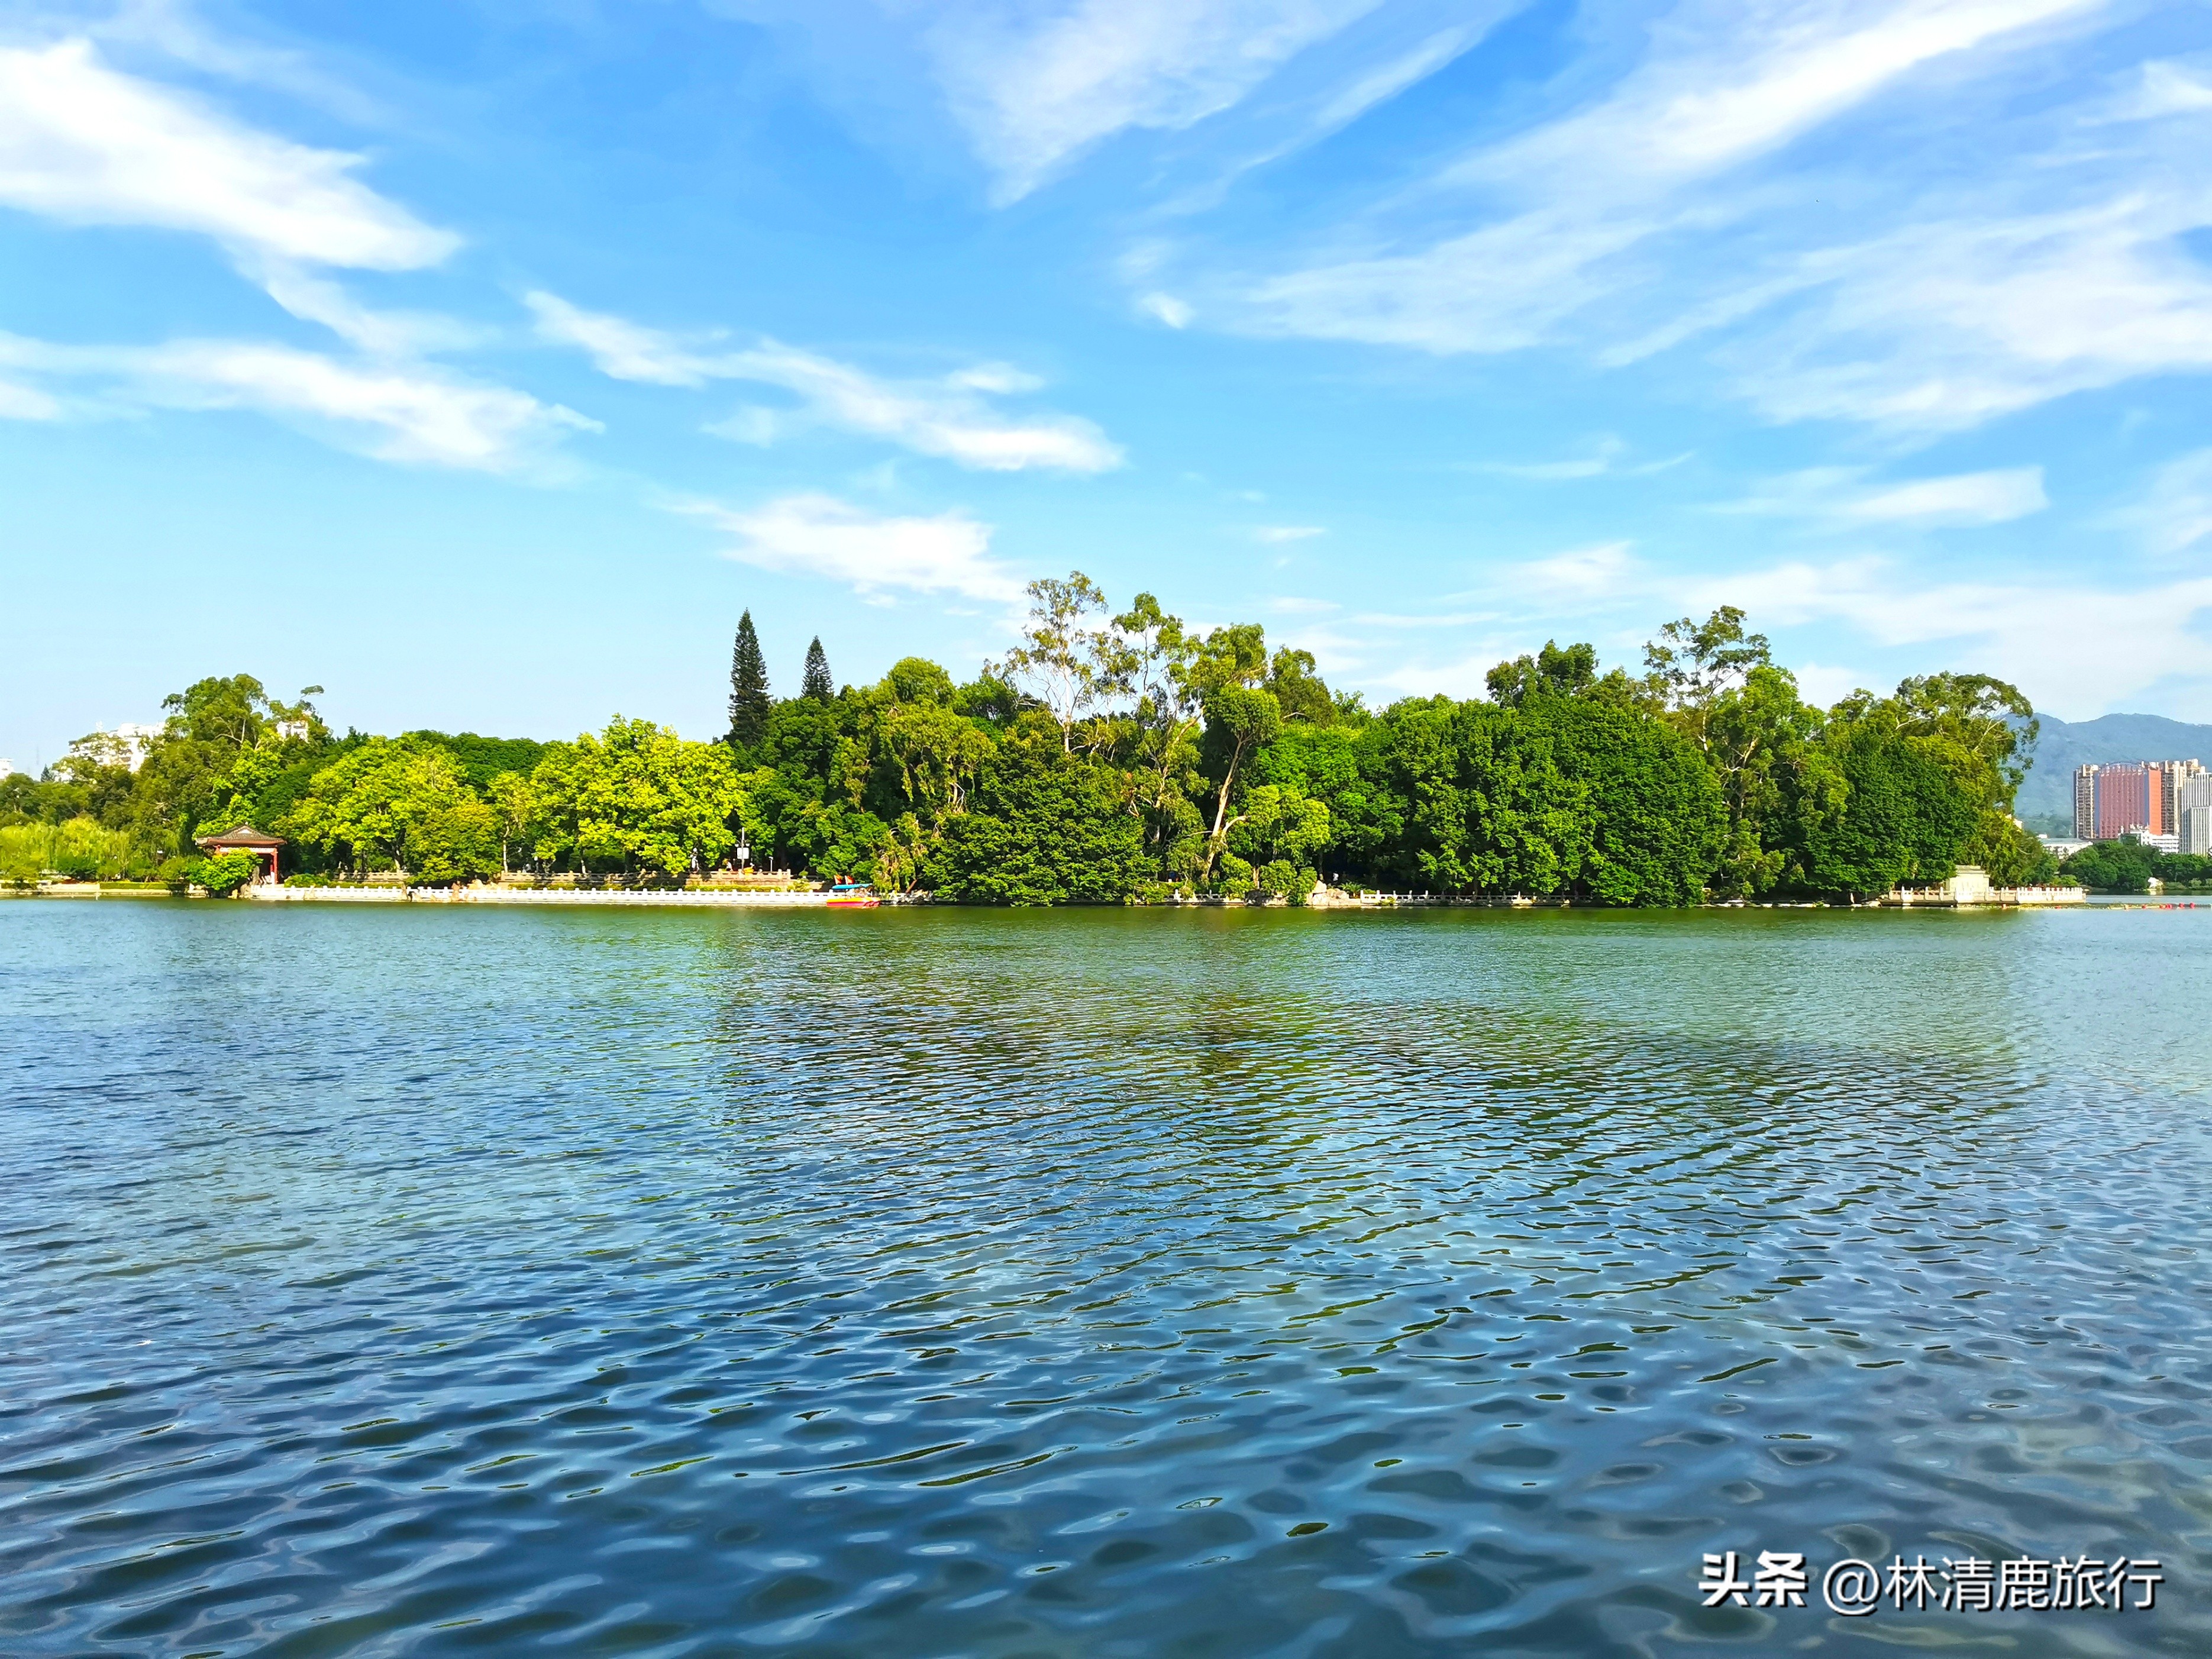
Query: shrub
[(226, 873)]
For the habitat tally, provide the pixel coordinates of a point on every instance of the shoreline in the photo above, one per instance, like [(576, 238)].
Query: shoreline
[(1332, 899)]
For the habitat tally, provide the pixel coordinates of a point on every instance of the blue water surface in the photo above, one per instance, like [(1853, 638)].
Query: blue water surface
[(415, 1281)]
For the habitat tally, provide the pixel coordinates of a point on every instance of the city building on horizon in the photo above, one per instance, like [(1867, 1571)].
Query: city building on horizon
[(2192, 798), (2138, 798), (126, 746)]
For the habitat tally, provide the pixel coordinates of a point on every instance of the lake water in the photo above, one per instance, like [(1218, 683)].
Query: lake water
[(937, 1283)]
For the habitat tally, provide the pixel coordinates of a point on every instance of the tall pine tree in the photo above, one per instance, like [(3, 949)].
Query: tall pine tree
[(817, 683), (749, 698)]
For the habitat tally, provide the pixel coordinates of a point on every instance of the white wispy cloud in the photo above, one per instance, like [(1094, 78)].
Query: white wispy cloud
[(944, 419), (2026, 262), (2053, 638), (951, 418), (84, 143), (1728, 82), (751, 424), (1583, 572), (1721, 86), (1841, 498), (1426, 619), (2166, 88), (1953, 321), (1166, 308), (1826, 684), (1500, 288), (1034, 86), (621, 350), (818, 535), (1388, 79), (1964, 498), (1320, 94), (2175, 512), (394, 412), (1278, 535), (87, 144), (25, 402), (173, 30), (315, 299), (1606, 458)]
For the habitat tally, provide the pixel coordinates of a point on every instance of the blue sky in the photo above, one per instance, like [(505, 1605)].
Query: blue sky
[(480, 362)]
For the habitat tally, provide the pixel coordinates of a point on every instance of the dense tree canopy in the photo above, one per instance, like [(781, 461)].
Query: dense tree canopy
[(399, 805), (1117, 756), (2126, 865)]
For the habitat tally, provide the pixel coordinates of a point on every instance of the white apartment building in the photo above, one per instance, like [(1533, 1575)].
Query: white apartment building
[(2192, 805), (127, 745)]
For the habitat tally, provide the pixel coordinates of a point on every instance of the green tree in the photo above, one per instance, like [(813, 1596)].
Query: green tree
[(481, 759), (1988, 718), (2111, 866), (1281, 835), (750, 702), (1551, 670), (1488, 805), (1239, 721), (514, 799), (934, 754), (1161, 733), (78, 848), (1692, 664), (904, 859), (918, 680), (1072, 666), (186, 781), (1225, 675), (841, 842), (2011, 855), (987, 697), (2126, 865), (1294, 678), (1656, 823), (1323, 764), (814, 681), (401, 804), (1046, 827), (638, 795), (1761, 741), (226, 873), (1905, 815)]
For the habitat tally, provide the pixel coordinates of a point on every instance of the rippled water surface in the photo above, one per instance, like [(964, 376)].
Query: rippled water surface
[(953, 1282)]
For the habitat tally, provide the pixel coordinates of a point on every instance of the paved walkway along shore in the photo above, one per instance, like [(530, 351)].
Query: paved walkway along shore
[(531, 895)]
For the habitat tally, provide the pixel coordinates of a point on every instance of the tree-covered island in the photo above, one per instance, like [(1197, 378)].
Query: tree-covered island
[(1115, 757)]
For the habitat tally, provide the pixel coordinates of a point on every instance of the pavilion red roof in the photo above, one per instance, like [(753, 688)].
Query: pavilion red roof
[(245, 835)]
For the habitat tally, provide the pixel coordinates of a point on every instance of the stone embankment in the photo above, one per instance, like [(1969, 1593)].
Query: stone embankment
[(1969, 888), (655, 898)]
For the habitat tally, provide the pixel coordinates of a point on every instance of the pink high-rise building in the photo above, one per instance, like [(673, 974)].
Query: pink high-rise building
[(2142, 799), (2124, 801)]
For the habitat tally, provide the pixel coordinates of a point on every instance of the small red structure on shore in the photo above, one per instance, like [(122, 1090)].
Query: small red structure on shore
[(246, 838)]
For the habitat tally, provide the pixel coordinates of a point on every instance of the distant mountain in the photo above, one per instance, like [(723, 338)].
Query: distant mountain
[(2066, 744)]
